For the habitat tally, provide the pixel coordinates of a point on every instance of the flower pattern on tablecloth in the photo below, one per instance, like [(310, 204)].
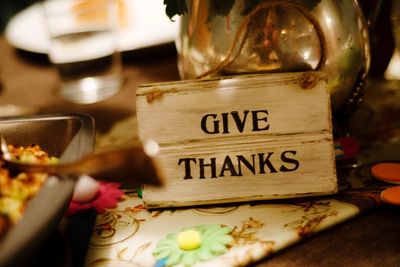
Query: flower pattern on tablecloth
[(213, 240), (314, 214), (104, 232)]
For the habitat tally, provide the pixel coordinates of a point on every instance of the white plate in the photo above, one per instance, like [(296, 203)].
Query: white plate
[(147, 25)]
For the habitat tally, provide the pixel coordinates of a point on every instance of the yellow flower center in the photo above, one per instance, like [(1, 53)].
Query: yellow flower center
[(189, 239)]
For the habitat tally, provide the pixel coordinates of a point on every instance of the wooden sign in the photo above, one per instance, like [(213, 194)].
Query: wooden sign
[(240, 138)]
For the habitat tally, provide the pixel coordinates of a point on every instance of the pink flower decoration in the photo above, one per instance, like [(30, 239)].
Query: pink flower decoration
[(106, 198)]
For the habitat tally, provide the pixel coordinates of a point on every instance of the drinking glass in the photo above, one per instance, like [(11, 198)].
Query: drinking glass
[(83, 48), (395, 16)]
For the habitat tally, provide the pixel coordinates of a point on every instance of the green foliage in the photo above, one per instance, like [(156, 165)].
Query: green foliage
[(310, 4), (175, 7), (249, 5), (220, 7), (223, 7)]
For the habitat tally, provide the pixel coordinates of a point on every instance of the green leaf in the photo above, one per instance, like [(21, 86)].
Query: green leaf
[(249, 5), (310, 4), (220, 7), (175, 7), (223, 7)]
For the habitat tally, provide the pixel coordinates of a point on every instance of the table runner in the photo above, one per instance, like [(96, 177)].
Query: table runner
[(128, 235)]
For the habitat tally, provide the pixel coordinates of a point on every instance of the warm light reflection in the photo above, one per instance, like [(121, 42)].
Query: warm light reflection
[(229, 84), (151, 148), (328, 20), (306, 55), (89, 84), (91, 89), (393, 70)]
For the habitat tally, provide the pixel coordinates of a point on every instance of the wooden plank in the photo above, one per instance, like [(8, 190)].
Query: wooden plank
[(312, 176), (161, 107), (239, 138)]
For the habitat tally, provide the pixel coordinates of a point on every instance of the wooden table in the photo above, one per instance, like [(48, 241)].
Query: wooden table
[(29, 81)]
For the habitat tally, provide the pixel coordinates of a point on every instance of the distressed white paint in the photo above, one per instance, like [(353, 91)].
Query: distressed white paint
[(299, 120)]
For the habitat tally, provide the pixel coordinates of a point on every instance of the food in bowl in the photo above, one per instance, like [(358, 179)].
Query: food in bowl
[(69, 137), (17, 189)]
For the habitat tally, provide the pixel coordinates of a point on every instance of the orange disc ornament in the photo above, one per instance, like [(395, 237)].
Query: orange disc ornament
[(388, 172), (391, 195)]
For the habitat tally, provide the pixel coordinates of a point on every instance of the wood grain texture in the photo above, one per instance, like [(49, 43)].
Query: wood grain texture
[(239, 138), (171, 112)]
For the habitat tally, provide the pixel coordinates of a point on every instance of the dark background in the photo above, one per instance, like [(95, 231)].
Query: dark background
[(10, 7), (377, 11)]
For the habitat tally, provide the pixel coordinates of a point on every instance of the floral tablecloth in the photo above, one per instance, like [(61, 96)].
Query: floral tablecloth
[(234, 235)]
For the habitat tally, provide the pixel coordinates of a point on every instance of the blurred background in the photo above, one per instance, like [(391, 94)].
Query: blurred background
[(381, 34), (8, 8)]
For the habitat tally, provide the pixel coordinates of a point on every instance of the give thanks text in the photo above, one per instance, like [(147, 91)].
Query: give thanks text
[(226, 123)]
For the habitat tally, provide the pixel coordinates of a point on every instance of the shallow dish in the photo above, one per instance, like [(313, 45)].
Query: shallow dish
[(67, 136)]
